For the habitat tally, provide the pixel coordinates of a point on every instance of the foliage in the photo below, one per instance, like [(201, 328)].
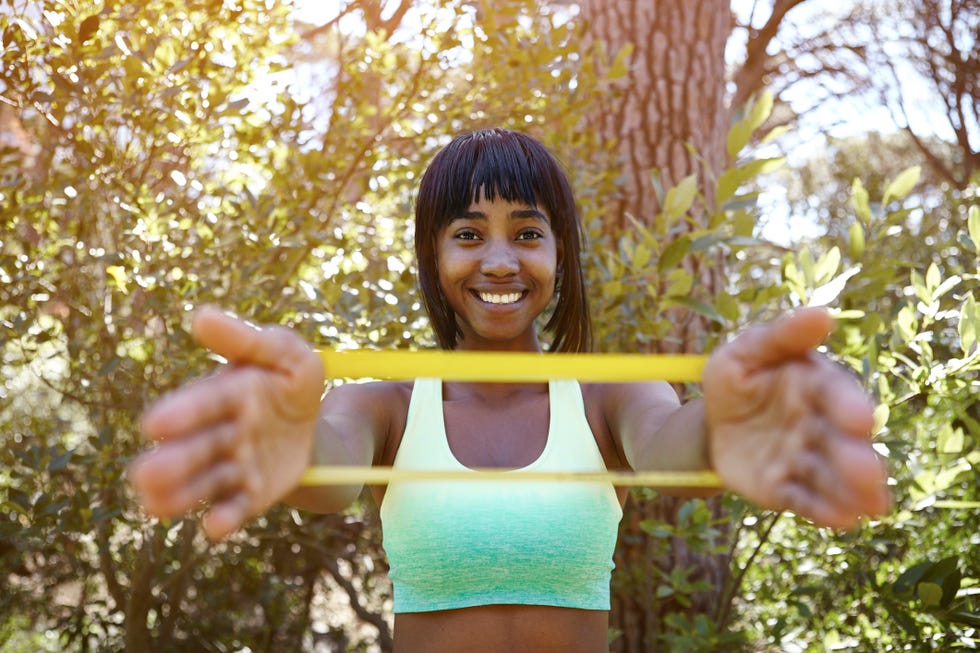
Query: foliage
[(167, 165), (907, 325)]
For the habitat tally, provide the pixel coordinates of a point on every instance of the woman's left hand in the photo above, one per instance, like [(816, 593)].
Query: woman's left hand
[(789, 429)]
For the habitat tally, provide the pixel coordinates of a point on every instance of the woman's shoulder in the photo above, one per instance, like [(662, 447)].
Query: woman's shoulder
[(615, 402), (618, 392), (378, 394)]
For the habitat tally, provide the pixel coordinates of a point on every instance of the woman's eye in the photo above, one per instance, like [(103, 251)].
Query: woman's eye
[(466, 235), (529, 235)]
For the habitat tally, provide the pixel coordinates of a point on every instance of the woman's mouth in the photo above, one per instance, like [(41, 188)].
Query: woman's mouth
[(499, 298)]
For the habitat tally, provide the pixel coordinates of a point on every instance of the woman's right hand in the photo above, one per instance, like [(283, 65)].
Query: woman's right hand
[(239, 440)]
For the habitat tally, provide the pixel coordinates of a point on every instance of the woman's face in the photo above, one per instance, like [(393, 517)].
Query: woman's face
[(497, 267)]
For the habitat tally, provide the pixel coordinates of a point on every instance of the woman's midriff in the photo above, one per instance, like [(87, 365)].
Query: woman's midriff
[(503, 629)]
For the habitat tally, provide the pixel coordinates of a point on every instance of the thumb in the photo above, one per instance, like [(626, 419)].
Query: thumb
[(788, 337), (277, 348)]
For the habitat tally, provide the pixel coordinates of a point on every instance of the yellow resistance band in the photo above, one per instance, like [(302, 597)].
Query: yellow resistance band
[(351, 475), (511, 366), (508, 367)]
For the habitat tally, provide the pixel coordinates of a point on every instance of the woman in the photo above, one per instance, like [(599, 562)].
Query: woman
[(482, 566)]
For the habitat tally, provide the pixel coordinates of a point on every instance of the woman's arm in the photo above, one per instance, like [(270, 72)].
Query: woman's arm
[(353, 425), (655, 432)]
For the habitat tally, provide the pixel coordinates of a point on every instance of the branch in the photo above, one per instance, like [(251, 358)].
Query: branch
[(376, 620), (937, 164), (725, 606), (748, 79)]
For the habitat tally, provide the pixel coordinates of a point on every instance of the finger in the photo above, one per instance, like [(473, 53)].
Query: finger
[(175, 463), (797, 497), (788, 337), (198, 406), (227, 516), (862, 472), (813, 471), (241, 342), (841, 399), (216, 482), (843, 471)]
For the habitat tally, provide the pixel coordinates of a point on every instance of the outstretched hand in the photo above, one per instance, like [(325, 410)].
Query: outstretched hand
[(238, 440), (789, 429)]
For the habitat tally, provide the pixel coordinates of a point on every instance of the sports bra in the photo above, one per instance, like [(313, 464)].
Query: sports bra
[(464, 544)]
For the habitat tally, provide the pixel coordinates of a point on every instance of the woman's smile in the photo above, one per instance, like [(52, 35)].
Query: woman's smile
[(499, 298)]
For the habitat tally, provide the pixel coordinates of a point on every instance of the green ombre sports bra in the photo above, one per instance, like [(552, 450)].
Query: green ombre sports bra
[(458, 545)]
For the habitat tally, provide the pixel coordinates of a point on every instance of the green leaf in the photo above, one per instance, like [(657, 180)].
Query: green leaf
[(968, 327), (674, 253), (774, 133), (906, 582), (930, 594), (828, 292), (963, 617), (902, 184), (919, 286), (679, 282), (859, 200), (680, 197), (946, 285), (741, 132), (761, 110), (641, 256), (826, 266), (856, 241), (973, 224), (950, 440), (620, 65), (120, 279), (612, 288), (807, 267), (933, 279), (732, 179), (686, 511), (738, 138), (907, 324), (699, 307), (880, 415), (61, 461)]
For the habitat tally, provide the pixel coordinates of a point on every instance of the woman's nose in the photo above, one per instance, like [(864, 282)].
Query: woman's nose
[(499, 259)]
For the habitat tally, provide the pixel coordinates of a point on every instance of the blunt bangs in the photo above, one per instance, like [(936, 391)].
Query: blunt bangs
[(496, 163), (515, 168)]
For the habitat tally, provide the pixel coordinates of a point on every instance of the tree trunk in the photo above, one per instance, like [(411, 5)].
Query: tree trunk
[(673, 96), (668, 114)]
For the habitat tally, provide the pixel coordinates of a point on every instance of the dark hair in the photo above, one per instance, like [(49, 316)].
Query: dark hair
[(518, 169)]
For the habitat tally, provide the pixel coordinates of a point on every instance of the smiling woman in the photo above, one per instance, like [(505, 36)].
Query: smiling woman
[(492, 564), (462, 183)]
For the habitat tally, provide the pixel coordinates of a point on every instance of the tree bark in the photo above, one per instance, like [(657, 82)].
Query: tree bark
[(668, 114), (673, 97)]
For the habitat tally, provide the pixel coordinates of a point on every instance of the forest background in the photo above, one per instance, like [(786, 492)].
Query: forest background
[(159, 155)]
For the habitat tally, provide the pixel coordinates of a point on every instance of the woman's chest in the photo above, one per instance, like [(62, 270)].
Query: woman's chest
[(510, 434)]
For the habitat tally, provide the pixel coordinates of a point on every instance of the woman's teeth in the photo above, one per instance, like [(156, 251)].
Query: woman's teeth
[(493, 298)]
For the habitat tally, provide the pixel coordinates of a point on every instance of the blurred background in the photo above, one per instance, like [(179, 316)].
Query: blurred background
[(731, 160)]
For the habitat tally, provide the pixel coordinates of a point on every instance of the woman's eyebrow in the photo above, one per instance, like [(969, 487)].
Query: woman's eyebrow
[(518, 214), (522, 214)]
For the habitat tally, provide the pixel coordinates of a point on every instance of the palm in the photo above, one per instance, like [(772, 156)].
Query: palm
[(789, 429), (239, 439)]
